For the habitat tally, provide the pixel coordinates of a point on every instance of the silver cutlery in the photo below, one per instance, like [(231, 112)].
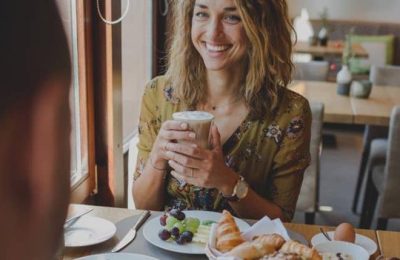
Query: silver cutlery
[(70, 221), (130, 236), (325, 234)]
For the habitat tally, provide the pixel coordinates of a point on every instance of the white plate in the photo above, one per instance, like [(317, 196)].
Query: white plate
[(117, 256), (151, 229), (363, 241), (88, 231), (333, 247)]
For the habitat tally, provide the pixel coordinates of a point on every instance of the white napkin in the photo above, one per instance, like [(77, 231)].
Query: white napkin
[(266, 226)]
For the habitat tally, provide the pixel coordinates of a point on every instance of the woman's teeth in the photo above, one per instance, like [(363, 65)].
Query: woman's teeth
[(211, 47)]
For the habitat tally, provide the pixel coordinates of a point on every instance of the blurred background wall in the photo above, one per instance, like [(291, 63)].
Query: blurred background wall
[(361, 10)]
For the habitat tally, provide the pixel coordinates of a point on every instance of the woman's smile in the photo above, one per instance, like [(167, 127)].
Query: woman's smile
[(216, 50)]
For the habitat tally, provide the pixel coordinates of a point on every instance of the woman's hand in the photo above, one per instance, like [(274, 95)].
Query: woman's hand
[(202, 167), (170, 132)]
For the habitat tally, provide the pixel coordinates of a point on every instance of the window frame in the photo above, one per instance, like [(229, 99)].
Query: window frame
[(84, 189)]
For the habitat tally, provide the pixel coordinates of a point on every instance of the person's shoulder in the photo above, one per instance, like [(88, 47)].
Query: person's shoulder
[(157, 83), (155, 87), (292, 104), (292, 97), (160, 89)]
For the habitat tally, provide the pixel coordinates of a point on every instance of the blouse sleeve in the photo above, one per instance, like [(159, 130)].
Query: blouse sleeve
[(149, 125), (291, 160)]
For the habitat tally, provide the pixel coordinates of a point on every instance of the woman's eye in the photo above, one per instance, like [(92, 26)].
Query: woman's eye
[(201, 15), (232, 18)]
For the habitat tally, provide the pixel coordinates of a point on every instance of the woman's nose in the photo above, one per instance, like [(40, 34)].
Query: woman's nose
[(215, 29)]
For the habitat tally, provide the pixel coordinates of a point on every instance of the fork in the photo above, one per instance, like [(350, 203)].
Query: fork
[(325, 234)]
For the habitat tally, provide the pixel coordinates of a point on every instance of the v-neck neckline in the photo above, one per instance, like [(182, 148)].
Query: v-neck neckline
[(232, 140)]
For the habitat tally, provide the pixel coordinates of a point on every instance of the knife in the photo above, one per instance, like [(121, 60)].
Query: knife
[(71, 220), (130, 236)]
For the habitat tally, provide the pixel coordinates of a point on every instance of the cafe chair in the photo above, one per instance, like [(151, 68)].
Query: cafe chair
[(386, 75), (312, 70), (308, 201), (383, 181)]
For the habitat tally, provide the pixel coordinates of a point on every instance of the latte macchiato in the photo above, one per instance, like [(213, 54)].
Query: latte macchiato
[(199, 122)]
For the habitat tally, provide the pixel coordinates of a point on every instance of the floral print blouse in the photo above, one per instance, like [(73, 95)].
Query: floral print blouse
[(270, 153)]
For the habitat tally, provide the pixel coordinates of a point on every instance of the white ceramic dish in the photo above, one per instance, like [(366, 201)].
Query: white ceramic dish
[(355, 251), (363, 241), (88, 231), (117, 256), (152, 227)]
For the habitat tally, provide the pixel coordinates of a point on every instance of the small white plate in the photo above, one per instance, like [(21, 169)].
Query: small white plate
[(333, 247), (88, 231), (117, 256), (151, 229), (363, 241)]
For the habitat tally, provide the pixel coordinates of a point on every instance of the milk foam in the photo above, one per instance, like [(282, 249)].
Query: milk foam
[(193, 115)]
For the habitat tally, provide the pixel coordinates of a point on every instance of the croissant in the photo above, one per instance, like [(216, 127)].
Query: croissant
[(274, 240), (282, 256), (300, 249), (261, 246), (227, 233), (251, 250)]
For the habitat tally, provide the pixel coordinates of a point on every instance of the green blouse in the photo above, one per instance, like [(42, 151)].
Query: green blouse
[(270, 153)]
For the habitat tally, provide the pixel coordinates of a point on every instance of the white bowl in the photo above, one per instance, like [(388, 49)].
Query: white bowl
[(357, 252)]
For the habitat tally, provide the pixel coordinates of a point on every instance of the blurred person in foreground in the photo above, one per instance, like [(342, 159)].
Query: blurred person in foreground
[(34, 129), (231, 58)]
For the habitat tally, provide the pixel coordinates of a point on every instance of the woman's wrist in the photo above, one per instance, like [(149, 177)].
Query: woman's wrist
[(157, 162), (229, 183), (154, 166)]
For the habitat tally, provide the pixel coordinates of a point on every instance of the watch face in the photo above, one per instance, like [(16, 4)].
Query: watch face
[(241, 189)]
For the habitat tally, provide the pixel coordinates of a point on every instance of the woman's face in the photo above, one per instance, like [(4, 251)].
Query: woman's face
[(218, 33)]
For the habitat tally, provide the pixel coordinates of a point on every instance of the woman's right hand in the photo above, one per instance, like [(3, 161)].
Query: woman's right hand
[(170, 131)]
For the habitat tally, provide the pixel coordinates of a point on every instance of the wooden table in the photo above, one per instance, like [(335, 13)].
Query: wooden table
[(389, 243), (117, 214), (334, 48), (375, 110)]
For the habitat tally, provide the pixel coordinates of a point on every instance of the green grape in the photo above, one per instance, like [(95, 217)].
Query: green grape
[(171, 222), (191, 229), (180, 226), (193, 223)]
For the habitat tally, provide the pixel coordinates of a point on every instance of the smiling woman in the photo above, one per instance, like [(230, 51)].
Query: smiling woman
[(230, 58)]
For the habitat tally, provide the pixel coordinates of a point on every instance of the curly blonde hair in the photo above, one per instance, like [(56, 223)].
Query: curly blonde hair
[(268, 61)]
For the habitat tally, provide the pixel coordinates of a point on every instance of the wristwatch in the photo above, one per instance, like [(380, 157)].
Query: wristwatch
[(239, 191)]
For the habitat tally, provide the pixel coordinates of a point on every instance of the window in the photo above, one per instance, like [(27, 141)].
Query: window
[(71, 13), (92, 43)]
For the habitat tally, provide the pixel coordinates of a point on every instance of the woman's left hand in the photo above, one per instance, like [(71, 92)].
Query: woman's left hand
[(202, 167)]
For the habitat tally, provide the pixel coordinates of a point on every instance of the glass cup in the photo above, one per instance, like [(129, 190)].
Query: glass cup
[(200, 123)]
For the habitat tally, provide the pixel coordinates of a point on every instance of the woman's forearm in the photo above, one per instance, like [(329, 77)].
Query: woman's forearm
[(148, 190), (253, 206)]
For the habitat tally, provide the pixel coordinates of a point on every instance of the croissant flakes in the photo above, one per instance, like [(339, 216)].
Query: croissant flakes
[(227, 233)]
